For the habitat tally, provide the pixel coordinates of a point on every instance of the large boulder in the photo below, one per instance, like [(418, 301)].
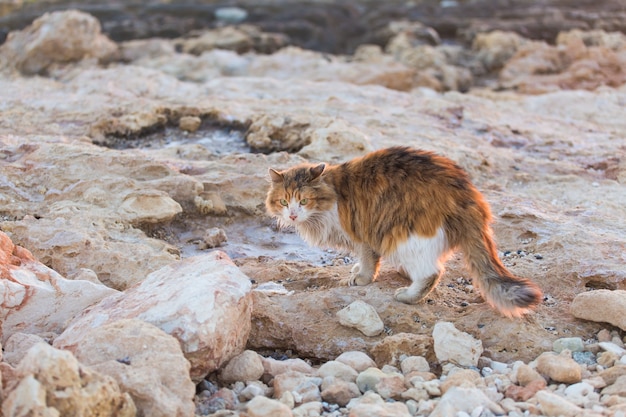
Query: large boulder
[(36, 299), (157, 379), (53, 39), (50, 382), (203, 301)]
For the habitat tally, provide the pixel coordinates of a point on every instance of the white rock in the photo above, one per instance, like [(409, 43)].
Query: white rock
[(53, 380), (247, 366), (310, 409), (414, 363), (157, 378), (554, 405), (203, 301), (253, 389), (17, 346), (304, 388), (337, 370), (368, 379), (361, 316), (452, 345), (358, 361), (266, 407), (577, 392), (458, 399), (601, 306), (56, 38), (35, 299), (148, 206), (613, 348), (372, 405), (273, 367)]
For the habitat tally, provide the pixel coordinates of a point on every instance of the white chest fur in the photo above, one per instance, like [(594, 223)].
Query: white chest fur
[(324, 229)]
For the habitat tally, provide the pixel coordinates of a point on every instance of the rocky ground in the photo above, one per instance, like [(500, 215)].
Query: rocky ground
[(136, 247)]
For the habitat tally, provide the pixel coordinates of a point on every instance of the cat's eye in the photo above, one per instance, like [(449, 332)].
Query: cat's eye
[(304, 201), (283, 202)]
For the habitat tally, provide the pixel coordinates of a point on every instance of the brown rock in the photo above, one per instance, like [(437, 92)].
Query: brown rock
[(189, 123), (56, 38), (389, 350), (559, 368), (616, 388), (525, 375), (524, 393), (48, 377), (601, 306), (610, 375), (340, 392), (465, 378)]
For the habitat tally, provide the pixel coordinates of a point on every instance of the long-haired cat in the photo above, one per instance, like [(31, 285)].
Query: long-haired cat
[(409, 206)]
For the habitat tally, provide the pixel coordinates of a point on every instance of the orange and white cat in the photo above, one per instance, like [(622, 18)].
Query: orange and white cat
[(409, 206)]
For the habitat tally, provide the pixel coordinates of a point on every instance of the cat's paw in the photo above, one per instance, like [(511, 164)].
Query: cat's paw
[(404, 295), (356, 269), (358, 279)]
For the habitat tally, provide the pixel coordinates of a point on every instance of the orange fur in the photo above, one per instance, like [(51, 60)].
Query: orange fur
[(394, 201)]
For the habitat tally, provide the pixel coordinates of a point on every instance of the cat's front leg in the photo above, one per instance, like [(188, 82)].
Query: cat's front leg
[(364, 271)]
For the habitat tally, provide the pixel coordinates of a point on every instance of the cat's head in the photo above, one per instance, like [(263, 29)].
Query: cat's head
[(299, 194)]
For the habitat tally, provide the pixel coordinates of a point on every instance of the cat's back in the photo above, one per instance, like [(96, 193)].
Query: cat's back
[(399, 169), (388, 194)]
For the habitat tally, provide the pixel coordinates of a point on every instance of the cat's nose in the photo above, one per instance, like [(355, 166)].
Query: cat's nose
[(293, 216)]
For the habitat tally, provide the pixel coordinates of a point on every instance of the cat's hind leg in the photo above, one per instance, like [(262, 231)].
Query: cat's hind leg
[(366, 269), (421, 259)]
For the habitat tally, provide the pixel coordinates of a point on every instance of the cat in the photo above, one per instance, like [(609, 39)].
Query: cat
[(410, 206)]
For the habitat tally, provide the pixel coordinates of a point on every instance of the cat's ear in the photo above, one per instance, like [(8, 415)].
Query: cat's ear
[(316, 171), (276, 176)]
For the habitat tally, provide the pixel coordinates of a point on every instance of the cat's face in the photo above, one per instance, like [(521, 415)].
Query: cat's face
[(298, 194)]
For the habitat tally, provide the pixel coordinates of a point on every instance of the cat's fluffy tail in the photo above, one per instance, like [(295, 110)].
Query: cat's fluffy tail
[(511, 295)]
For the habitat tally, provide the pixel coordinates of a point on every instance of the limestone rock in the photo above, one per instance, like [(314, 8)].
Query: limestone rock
[(340, 392), (203, 301), (270, 133), (616, 388), (452, 345), (337, 370), (538, 67), (494, 49), (157, 379), (52, 382), (414, 364), (189, 123), (246, 366), (555, 405), (36, 299), (17, 345), (56, 38), (559, 368), (359, 361), (601, 306), (361, 316), (524, 374), (525, 392), (304, 388), (367, 379), (573, 344), (337, 141), (149, 206), (392, 348), (265, 407), (372, 405), (465, 378), (457, 400), (273, 367)]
